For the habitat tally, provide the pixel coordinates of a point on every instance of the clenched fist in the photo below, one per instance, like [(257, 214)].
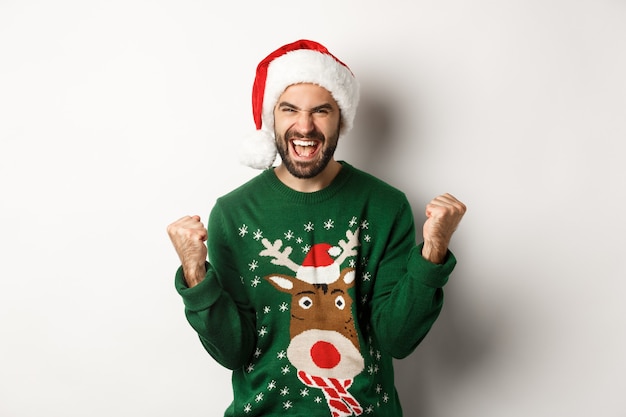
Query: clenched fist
[(188, 235), (444, 214)]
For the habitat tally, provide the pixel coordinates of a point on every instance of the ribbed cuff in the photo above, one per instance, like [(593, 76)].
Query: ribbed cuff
[(430, 274), (203, 295)]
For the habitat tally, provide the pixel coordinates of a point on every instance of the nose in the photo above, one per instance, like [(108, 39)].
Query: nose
[(325, 355), (304, 123)]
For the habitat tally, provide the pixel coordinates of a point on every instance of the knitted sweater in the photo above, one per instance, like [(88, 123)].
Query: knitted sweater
[(309, 296)]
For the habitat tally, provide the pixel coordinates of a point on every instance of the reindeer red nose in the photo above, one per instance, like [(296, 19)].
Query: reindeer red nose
[(325, 355)]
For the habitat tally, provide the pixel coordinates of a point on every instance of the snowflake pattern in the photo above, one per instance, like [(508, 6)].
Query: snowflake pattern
[(247, 409), (309, 227), (257, 353), (365, 224), (281, 355), (267, 309), (373, 369), (289, 235), (263, 331), (284, 391), (287, 405), (258, 235), (259, 397), (271, 385), (285, 370), (329, 224), (283, 307), (255, 282), (253, 265), (304, 392), (243, 230)]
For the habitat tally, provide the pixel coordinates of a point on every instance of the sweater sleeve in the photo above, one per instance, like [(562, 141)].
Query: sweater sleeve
[(219, 313), (408, 294)]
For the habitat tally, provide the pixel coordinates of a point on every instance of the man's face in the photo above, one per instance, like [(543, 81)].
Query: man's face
[(306, 125)]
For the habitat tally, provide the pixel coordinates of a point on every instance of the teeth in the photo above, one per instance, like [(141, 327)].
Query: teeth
[(303, 142)]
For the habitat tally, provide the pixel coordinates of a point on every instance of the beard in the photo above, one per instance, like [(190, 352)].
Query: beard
[(306, 170)]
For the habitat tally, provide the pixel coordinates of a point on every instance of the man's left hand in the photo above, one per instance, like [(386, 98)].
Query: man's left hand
[(444, 213)]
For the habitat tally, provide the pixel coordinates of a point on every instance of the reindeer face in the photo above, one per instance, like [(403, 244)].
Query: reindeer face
[(324, 341)]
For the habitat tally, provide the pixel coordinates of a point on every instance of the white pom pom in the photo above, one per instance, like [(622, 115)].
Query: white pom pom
[(258, 150), (334, 251)]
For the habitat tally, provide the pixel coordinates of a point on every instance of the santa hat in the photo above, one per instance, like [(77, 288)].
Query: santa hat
[(303, 61), (318, 266)]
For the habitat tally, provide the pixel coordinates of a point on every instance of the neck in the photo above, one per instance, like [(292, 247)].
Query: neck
[(309, 185)]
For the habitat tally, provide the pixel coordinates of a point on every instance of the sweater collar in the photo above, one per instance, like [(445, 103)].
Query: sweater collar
[(309, 198)]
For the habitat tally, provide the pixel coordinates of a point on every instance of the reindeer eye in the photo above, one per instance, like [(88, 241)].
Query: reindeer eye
[(340, 302), (306, 303)]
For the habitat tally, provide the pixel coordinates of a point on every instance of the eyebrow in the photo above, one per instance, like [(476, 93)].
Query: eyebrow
[(325, 106)]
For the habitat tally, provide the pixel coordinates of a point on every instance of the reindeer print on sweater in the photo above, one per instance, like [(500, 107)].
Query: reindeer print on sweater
[(323, 347)]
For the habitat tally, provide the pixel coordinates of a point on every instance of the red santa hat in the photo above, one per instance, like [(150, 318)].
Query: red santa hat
[(302, 61), (318, 266)]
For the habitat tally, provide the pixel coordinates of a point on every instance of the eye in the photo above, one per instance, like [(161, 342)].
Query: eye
[(321, 112), (340, 302), (306, 303), (287, 109)]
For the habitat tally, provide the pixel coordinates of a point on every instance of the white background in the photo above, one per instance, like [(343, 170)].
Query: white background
[(118, 117)]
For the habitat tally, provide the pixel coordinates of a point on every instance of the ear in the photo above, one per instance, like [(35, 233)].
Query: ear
[(282, 283)]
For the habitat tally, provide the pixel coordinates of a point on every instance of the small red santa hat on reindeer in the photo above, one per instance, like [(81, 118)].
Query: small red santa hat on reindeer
[(318, 266), (303, 61)]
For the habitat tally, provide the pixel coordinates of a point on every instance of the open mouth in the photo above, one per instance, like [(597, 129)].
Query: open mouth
[(305, 148)]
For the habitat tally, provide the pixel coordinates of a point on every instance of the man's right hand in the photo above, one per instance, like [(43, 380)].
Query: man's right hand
[(188, 235)]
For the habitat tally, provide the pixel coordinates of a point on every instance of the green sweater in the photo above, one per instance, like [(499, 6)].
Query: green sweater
[(309, 296)]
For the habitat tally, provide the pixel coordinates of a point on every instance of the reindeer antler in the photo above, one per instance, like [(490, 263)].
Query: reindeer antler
[(348, 248), (280, 258)]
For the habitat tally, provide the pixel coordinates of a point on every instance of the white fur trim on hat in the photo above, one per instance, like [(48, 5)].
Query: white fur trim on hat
[(307, 66), (319, 274)]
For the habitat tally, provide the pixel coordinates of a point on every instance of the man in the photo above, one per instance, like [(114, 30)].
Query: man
[(314, 281)]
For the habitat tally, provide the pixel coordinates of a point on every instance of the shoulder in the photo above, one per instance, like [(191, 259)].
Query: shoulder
[(374, 186), (245, 191)]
